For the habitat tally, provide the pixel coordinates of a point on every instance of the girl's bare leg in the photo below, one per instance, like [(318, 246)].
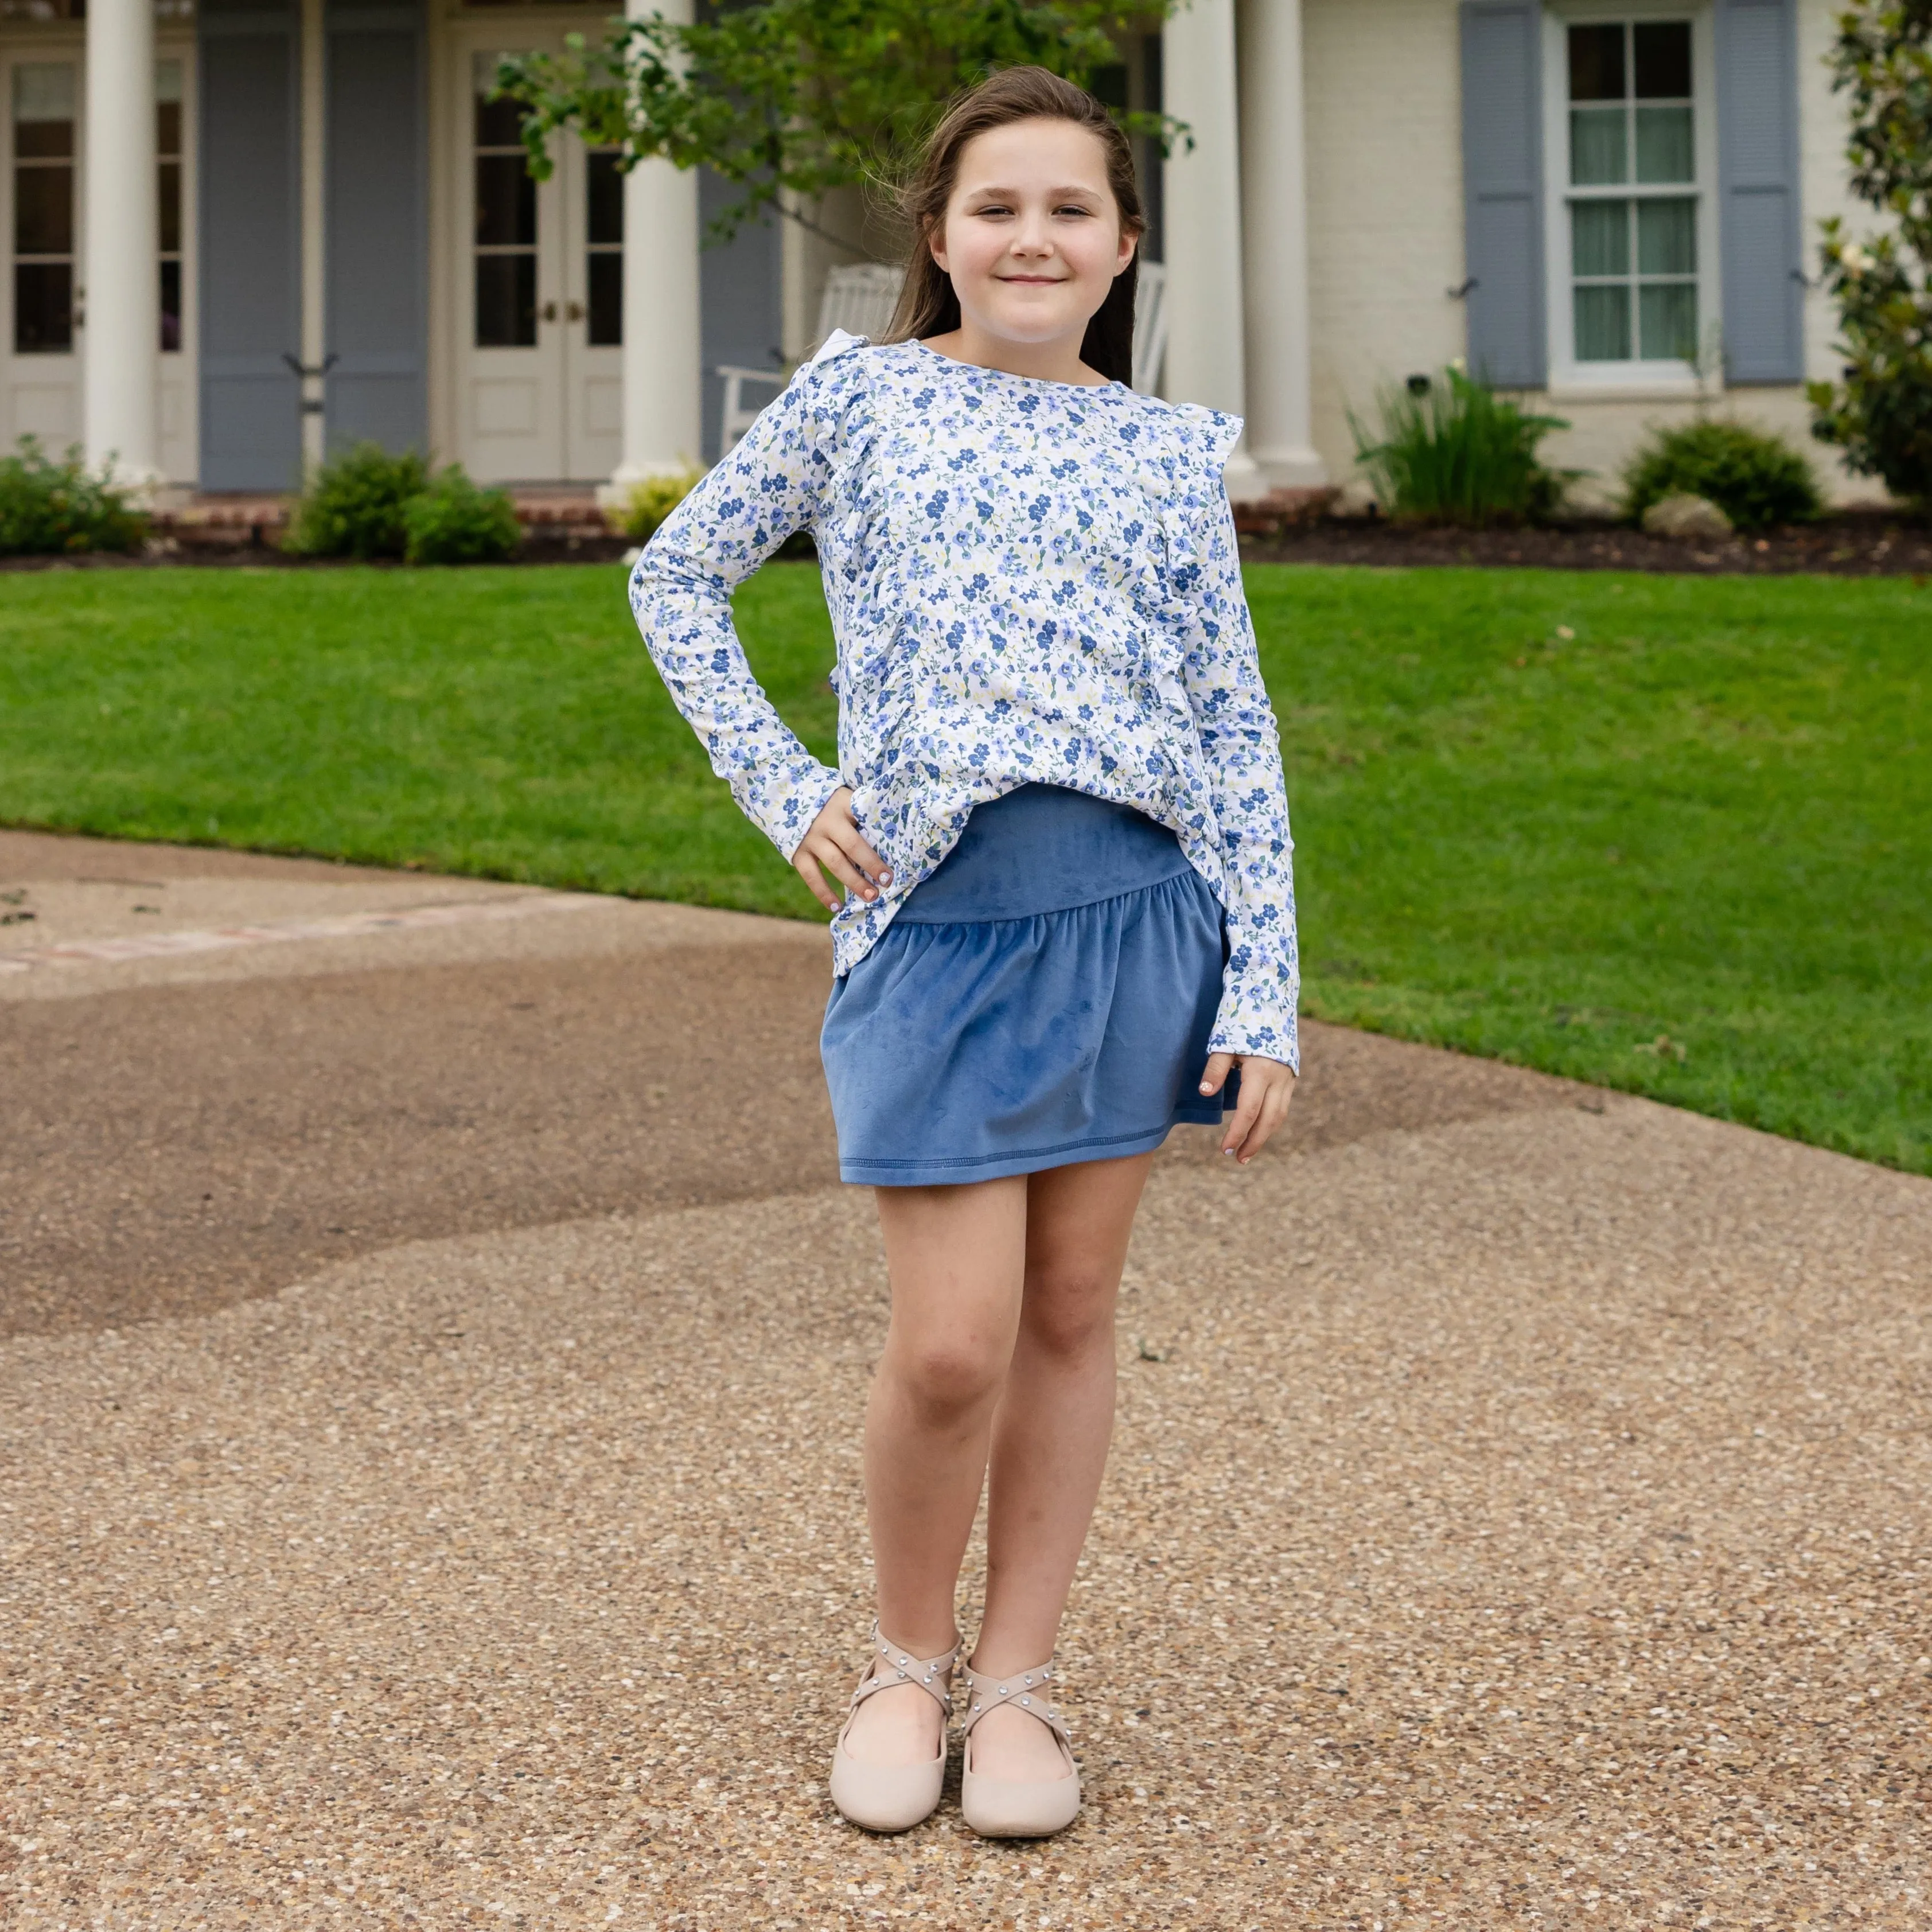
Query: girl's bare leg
[(1001, 1341), (1050, 1435), (957, 1260)]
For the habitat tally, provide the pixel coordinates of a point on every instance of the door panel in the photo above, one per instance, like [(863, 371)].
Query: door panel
[(512, 357), (40, 217), (540, 394)]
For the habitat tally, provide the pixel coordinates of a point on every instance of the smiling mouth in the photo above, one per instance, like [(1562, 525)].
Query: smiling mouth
[(1033, 281)]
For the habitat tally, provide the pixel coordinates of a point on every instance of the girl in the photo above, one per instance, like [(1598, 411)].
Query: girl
[(1059, 828)]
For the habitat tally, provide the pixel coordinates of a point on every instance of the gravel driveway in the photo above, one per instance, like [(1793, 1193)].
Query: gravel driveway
[(428, 1485)]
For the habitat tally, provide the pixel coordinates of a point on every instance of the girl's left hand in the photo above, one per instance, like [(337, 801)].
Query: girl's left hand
[(1267, 1086)]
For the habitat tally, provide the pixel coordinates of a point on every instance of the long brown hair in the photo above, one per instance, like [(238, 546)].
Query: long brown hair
[(928, 304)]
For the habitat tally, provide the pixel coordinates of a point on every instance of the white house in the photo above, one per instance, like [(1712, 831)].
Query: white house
[(243, 232)]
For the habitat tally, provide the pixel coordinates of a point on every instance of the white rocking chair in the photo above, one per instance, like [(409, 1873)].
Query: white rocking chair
[(859, 298)]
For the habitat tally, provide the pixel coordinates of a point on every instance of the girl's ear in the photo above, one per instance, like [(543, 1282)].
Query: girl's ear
[(1130, 243), (935, 243)]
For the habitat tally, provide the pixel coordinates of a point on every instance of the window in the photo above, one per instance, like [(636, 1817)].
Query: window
[(506, 221), (168, 148), (43, 207), (1630, 248)]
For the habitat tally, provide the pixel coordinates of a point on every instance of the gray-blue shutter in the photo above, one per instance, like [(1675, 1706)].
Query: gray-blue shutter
[(376, 239), (1761, 248), (250, 243), (741, 307), (1502, 191)]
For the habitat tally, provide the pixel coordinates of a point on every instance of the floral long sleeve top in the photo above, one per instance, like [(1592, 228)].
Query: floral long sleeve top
[(1029, 581)]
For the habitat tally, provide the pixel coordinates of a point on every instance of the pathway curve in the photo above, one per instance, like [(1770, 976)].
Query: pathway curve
[(428, 1472)]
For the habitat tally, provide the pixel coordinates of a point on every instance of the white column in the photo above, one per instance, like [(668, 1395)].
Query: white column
[(121, 345), (663, 392), (1202, 222), (1274, 222)]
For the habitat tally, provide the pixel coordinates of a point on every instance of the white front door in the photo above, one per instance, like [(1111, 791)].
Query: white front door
[(539, 301), (41, 396), (43, 302)]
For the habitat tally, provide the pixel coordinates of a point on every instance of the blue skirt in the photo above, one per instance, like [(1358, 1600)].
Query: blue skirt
[(1045, 997)]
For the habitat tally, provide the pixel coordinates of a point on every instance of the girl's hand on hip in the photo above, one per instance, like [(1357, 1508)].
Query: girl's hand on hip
[(834, 844), (1267, 1087)]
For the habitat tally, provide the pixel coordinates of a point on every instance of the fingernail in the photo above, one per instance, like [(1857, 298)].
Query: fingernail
[(885, 878), (1205, 1088)]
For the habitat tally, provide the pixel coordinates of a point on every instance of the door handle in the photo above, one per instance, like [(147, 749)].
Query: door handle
[(548, 311), (573, 311)]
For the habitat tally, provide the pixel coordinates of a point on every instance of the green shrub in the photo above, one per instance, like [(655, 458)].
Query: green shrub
[(1458, 453), (54, 509), (653, 500), (1757, 479), (454, 521), (354, 506)]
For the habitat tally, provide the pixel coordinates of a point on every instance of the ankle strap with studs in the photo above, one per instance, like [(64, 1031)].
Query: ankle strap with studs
[(1030, 1690), (892, 1665)]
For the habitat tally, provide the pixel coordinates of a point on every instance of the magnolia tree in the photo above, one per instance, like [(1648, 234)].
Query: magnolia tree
[(1880, 413), (790, 99)]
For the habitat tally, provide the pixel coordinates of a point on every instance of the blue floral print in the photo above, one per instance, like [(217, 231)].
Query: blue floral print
[(1029, 582)]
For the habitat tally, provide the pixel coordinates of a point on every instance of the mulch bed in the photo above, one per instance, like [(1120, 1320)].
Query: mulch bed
[(1857, 543)]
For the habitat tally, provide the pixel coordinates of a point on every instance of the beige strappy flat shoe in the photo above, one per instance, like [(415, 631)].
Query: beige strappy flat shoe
[(1001, 1807), (893, 1797)]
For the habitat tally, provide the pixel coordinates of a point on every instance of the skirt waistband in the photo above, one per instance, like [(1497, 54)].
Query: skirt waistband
[(1040, 849)]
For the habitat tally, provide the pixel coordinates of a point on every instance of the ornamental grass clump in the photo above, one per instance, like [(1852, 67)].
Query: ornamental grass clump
[(652, 500), (1454, 451), (1757, 479), (50, 508)]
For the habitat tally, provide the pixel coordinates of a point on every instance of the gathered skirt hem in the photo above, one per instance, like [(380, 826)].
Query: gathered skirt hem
[(953, 1173)]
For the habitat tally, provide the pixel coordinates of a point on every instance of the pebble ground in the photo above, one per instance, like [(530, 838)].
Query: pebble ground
[(1519, 1514)]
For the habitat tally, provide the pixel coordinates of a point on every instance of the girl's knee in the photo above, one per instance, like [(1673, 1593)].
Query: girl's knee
[(1070, 1311), (948, 1378)]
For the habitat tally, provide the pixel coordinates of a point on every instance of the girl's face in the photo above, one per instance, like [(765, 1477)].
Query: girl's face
[(1032, 236)]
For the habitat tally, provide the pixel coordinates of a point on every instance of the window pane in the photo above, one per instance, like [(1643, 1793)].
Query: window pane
[(1597, 63), (606, 277), (43, 210), (168, 106), (43, 307), (1665, 150), (1662, 60), (500, 124), (171, 306), (1598, 150), (42, 109), (1666, 238), (170, 208), (506, 202), (506, 302), (603, 196), (1600, 238), (1667, 314), (1602, 325)]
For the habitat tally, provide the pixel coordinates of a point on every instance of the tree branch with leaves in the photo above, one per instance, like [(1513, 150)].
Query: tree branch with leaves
[(1879, 412), (789, 100)]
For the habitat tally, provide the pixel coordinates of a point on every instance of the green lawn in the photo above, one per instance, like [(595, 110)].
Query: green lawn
[(1685, 851)]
